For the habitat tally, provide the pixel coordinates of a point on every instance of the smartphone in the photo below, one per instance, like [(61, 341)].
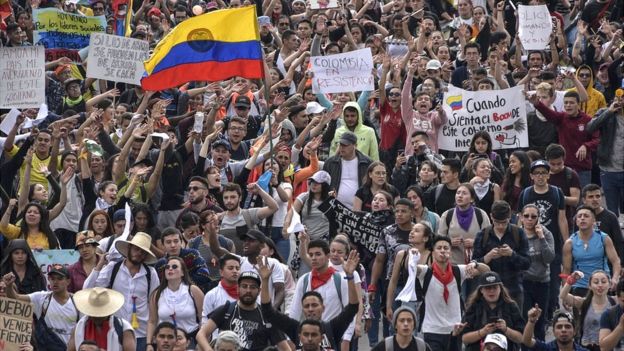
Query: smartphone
[(493, 320)]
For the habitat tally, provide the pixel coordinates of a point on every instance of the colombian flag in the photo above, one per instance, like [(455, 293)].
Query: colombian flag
[(5, 9), (455, 102), (214, 46)]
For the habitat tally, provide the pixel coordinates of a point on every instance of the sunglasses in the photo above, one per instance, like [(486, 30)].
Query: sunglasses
[(584, 75), (171, 266), (529, 216), (394, 94), (242, 108), (195, 188)]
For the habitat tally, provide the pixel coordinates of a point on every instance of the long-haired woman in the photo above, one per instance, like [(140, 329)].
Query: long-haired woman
[(34, 226), (176, 300), (517, 177), (375, 180)]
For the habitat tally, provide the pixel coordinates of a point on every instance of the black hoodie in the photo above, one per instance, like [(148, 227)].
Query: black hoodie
[(33, 280)]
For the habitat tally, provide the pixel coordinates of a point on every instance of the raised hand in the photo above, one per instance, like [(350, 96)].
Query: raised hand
[(264, 270), (351, 263)]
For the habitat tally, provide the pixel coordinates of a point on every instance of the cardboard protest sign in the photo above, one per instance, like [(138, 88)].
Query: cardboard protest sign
[(502, 113), (351, 71), (323, 4), (360, 231), (116, 58), (58, 29), (535, 26), (46, 258), (16, 323), (22, 77)]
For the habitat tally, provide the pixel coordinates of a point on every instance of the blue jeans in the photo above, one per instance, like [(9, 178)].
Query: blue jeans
[(375, 305), (282, 245), (141, 344), (613, 188), (584, 177), (536, 293)]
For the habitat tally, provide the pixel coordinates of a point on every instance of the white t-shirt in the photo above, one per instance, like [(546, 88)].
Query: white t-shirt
[(349, 183), (180, 303), (282, 207), (440, 317), (276, 277), (61, 319)]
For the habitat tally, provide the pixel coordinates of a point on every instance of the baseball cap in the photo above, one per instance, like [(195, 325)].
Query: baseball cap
[(540, 163), (221, 142), (489, 279), (497, 339), (348, 138), (60, 270), (143, 162), (321, 177), (71, 80), (253, 234), (119, 215), (433, 64), (559, 315), (242, 101), (86, 237), (154, 11), (249, 275), (314, 107)]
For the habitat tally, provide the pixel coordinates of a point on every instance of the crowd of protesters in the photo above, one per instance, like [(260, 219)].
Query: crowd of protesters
[(184, 246)]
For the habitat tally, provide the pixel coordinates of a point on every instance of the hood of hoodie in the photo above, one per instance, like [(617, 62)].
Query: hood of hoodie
[(591, 73), (356, 106), (17, 244), (291, 127)]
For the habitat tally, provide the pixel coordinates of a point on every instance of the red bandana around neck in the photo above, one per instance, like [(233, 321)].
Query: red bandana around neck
[(445, 277), (318, 279), (99, 336), (231, 290)]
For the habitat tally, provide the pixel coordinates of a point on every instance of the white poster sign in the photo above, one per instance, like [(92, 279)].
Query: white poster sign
[(116, 58), (351, 71), (22, 77), (535, 26), (502, 113)]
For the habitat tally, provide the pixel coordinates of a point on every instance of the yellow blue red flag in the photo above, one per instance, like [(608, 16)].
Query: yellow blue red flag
[(214, 46)]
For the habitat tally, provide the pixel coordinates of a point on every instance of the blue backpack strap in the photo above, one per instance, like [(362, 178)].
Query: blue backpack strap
[(338, 284)]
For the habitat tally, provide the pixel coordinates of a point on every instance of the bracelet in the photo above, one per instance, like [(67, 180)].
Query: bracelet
[(349, 277)]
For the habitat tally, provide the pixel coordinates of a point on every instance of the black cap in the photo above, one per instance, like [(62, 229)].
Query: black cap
[(250, 275), (71, 80), (60, 270), (540, 163), (242, 101), (222, 142), (348, 138), (253, 234), (143, 162), (489, 279)]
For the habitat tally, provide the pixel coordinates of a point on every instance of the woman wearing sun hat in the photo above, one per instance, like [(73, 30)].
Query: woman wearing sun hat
[(98, 323)]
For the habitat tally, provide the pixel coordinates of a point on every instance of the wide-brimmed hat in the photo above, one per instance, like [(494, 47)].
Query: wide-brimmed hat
[(141, 240), (98, 302)]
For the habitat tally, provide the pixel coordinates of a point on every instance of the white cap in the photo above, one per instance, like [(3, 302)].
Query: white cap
[(498, 339), (313, 108), (433, 64)]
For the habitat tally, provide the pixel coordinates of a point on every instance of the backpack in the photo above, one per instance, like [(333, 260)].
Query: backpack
[(118, 325), (229, 312), (421, 345), (337, 283), (449, 217), (44, 336), (421, 290), (116, 267), (525, 194)]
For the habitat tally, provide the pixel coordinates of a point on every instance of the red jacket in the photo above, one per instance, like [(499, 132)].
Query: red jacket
[(572, 135)]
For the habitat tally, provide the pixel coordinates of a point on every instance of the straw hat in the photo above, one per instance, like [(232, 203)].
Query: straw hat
[(141, 240), (98, 302)]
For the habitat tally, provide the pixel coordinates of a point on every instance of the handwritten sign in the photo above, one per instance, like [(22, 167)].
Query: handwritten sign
[(360, 231), (58, 29), (16, 323), (116, 58), (535, 26), (22, 77), (46, 258), (351, 71), (502, 113), (323, 4)]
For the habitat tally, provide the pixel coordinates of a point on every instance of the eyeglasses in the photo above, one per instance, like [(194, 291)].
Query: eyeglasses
[(171, 266), (526, 215), (540, 173), (195, 188), (283, 24), (238, 129)]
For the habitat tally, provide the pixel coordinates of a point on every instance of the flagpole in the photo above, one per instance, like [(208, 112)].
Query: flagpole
[(266, 92)]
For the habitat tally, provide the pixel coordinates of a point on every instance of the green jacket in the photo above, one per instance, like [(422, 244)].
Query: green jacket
[(367, 140)]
